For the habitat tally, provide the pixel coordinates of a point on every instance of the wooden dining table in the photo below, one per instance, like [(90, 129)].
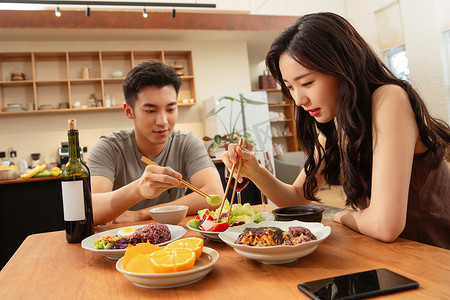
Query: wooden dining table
[(47, 267)]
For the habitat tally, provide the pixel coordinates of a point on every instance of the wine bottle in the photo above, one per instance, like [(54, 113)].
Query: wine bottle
[(76, 191)]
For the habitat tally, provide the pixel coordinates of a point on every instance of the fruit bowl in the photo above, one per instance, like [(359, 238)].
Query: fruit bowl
[(9, 174), (201, 268)]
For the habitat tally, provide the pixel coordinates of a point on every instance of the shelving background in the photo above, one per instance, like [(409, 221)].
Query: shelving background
[(56, 77), (282, 122)]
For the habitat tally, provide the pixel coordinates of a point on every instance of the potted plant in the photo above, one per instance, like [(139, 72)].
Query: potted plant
[(231, 136)]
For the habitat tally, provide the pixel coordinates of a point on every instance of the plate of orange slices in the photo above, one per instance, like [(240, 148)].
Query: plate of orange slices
[(179, 263)]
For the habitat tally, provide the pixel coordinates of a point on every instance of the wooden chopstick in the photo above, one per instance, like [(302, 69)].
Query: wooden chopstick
[(240, 142), (226, 192), (234, 190), (187, 184)]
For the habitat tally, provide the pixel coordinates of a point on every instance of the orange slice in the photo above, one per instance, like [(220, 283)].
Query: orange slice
[(172, 260), (139, 263), (141, 248), (193, 243)]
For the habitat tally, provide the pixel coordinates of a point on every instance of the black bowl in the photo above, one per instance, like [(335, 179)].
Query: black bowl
[(304, 213)]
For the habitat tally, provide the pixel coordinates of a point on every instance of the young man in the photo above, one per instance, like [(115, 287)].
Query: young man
[(123, 187)]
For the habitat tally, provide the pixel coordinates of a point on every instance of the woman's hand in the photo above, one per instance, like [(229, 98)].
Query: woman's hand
[(249, 164), (339, 214), (156, 180)]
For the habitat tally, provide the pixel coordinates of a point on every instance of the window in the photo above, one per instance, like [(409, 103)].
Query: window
[(397, 61)]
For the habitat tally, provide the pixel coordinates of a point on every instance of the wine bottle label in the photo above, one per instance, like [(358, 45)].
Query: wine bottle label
[(73, 200)]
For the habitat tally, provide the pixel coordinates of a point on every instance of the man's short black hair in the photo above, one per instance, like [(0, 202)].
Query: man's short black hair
[(149, 73)]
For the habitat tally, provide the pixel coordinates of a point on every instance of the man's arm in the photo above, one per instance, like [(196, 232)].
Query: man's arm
[(109, 204), (207, 179)]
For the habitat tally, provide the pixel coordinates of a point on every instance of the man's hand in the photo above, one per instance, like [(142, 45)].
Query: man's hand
[(156, 180)]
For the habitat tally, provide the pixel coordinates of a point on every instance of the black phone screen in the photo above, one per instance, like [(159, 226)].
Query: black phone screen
[(357, 285)]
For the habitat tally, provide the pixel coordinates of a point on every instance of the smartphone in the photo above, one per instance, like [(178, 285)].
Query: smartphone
[(358, 285)]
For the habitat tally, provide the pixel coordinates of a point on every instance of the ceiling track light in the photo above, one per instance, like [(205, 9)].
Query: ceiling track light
[(144, 13), (113, 3), (174, 13), (57, 12), (88, 11)]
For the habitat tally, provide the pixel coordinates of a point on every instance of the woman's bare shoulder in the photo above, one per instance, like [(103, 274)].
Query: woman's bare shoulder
[(390, 93), (391, 109)]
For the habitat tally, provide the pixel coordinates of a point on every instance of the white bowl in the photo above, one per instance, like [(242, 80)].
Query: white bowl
[(117, 74), (172, 214), (276, 254), (202, 267)]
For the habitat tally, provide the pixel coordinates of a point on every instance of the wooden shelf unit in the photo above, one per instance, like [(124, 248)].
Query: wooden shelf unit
[(52, 78), (282, 121)]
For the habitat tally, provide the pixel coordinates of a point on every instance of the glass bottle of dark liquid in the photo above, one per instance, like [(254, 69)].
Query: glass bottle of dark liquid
[(76, 191)]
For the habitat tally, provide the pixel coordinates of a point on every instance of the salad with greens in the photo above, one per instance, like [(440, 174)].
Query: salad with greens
[(209, 220)]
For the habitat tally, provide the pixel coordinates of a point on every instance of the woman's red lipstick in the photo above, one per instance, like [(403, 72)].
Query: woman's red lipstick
[(314, 112)]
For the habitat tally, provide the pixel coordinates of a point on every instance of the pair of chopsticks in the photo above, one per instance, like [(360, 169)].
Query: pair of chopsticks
[(241, 142), (187, 184)]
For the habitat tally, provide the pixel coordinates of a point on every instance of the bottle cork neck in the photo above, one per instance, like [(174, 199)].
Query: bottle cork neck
[(74, 145), (72, 124)]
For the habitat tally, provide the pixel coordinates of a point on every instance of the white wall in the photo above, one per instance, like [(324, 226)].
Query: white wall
[(422, 23), (283, 8), (295, 7), (425, 59)]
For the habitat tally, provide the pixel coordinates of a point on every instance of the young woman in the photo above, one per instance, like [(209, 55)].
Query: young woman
[(361, 127)]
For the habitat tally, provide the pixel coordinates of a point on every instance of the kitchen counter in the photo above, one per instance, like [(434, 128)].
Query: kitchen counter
[(20, 180), (28, 206)]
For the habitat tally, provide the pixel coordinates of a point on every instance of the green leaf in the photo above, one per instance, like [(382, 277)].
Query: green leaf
[(214, 112), (217, 139), (212, 146), (194, 223), (211, 113), (227, 98), (254, 102)]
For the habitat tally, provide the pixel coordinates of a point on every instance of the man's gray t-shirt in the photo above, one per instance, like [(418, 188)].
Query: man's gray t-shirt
[(117, 157)]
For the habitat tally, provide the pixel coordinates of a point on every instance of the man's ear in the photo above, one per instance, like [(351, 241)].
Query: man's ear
[(128, 111)]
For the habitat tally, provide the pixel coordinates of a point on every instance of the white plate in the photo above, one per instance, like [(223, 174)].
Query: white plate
[(19, 105), (276, 254), (13, 109), (176, 233), (214, 236), (202, 267)]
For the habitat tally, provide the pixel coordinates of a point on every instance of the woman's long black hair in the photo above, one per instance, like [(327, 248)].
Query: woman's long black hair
[(327, 43)]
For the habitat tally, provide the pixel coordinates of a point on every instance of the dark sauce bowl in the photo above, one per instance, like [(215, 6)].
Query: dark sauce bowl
[(304, 213)]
